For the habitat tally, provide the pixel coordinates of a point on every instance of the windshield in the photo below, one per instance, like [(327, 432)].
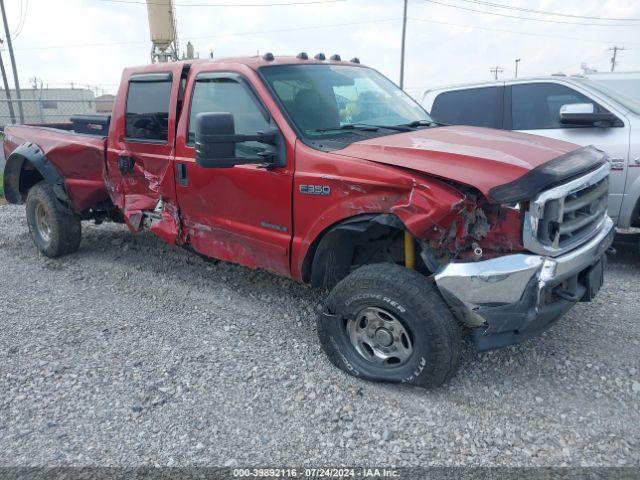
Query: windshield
[(341, 101), (625, 91)]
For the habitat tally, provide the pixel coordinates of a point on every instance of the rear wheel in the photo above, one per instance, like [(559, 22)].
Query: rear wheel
[(55, 230), (387, 323)]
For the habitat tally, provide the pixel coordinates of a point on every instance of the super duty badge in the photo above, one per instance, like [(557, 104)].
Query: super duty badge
[(315, 190)]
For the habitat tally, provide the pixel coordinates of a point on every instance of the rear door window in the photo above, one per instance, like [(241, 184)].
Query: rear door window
[(480, 107), (147, 111)]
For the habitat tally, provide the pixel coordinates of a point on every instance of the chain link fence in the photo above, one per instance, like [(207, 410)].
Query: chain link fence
[(52, 107)]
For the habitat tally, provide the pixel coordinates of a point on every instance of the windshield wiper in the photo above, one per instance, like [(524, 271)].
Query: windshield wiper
[(373, 128), (349, 126), (420, 123), (368, 127), (404, 127)]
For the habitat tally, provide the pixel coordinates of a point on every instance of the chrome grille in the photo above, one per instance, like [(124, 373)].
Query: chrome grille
[(563, 217)]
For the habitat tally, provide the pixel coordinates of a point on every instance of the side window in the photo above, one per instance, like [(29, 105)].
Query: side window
[(230, 96), (147, 111), (536, 106), (475, 106)]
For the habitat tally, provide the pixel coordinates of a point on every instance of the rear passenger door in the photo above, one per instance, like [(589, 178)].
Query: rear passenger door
[(479, 107), (140, 160), (535, 108)]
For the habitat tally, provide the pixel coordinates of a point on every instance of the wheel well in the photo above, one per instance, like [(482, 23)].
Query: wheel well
[(20, 176), (352, 243)]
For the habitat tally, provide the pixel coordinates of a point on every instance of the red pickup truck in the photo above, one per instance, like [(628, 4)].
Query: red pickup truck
[(324, 171)]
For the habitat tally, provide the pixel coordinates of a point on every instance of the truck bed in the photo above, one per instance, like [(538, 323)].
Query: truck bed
[(79, 158)]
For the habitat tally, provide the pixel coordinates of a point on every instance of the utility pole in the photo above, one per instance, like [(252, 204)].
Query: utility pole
[(615, 50), (6, 89), (495, 70), (13, 60), (404, 36), (517, 62)]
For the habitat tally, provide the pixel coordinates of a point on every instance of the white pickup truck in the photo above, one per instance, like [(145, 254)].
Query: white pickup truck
[(601, 110)]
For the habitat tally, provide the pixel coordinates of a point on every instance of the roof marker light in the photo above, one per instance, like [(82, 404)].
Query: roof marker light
[(355, 60), (335, 58), (320, 57), (268, 57), (302, 56)]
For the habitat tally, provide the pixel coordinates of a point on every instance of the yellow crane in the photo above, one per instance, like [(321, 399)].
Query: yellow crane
[(162, 30)]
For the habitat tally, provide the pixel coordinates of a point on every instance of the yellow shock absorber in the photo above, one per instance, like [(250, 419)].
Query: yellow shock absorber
[(409, 251)]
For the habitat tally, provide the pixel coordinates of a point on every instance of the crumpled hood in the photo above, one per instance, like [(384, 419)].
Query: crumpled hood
[(481, 157)]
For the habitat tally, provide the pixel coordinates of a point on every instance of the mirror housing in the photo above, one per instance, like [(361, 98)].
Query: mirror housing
[(584, 114), (216, 140)]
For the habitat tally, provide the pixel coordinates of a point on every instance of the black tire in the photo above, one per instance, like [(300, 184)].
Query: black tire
[(406, 297), (54, 229)]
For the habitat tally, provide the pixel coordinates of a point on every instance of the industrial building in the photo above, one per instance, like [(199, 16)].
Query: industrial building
[(49, 105)]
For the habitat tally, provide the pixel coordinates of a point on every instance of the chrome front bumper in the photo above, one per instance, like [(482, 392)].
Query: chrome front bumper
[(511, 295)]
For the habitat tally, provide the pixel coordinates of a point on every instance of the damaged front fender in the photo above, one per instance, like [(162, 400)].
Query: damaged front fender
[(459, 223)]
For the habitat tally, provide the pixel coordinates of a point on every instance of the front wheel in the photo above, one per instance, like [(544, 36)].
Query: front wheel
[(387, 323), (54, 230)]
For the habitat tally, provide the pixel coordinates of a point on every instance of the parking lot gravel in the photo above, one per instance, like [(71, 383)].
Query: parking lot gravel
[(133, 352)]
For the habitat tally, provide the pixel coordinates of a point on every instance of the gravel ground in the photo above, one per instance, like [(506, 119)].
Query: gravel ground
[(133, 352)]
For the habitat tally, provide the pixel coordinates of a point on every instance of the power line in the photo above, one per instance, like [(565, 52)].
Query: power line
[(23, 19), (222, 35), (546, 12), (310, 27), (527, 18), (280, 4), (13, 34), (474, 27)]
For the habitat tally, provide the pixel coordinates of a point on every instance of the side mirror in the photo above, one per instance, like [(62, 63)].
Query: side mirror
[(584, 114), (216, 142)]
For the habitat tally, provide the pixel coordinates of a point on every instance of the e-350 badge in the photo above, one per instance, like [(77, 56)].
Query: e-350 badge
[(315, 190)]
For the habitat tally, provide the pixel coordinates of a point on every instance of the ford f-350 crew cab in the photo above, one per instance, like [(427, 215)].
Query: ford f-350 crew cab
[(325, 172)]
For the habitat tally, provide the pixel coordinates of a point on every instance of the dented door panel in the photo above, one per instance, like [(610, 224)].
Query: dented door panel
[(240, 214), (142, 180)]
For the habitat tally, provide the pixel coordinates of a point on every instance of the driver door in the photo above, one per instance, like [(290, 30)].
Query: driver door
[(240, 214)]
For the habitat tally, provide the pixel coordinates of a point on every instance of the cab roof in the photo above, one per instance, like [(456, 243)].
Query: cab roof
[(253, 62)]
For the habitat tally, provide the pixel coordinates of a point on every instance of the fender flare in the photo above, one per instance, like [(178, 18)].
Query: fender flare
[(14, 188)]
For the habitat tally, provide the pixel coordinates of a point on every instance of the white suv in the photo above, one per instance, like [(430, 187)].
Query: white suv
[(585, 111)]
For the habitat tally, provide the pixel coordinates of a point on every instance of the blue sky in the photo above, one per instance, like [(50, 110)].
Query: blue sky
[(446, 43)]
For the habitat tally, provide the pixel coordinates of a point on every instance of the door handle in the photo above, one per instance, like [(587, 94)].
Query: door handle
[(126, 163), (182, 174)]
